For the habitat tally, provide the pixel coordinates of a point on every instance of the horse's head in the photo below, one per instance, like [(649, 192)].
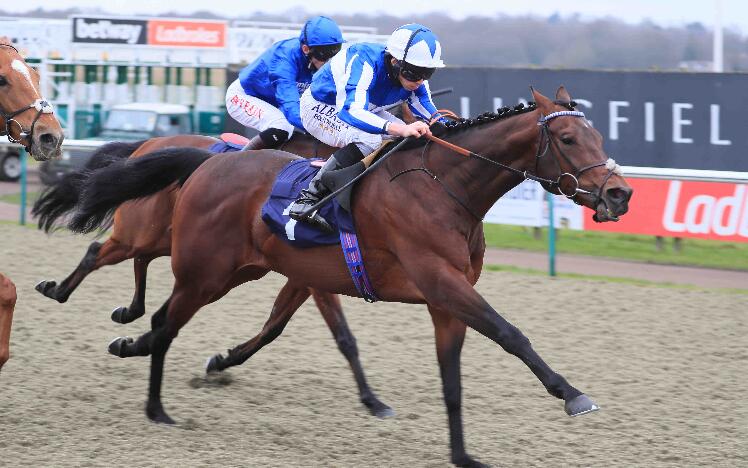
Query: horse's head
[(25, 116), (572, 150)]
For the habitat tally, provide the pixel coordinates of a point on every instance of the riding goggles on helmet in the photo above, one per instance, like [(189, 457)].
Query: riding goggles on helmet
[(324, 53), (415, 74)]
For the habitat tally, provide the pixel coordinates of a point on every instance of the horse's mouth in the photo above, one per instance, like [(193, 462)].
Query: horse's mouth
[(604, 214), (41, 155)]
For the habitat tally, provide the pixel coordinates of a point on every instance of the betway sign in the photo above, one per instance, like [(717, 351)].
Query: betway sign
[(668, 120), (109, 30), (151, 32), (706, 210)]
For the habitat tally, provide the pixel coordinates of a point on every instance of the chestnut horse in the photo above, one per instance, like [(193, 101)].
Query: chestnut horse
[(142, 231), (27, 119), (418, 216)]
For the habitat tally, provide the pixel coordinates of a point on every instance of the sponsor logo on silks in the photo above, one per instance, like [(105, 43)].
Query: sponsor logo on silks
[(112, 31), (302, 87), (331, 126), (324, 109), (250, 109)]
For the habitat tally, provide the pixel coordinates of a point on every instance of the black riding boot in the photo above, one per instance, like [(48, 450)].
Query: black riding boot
[(344, 157), (268, 139)]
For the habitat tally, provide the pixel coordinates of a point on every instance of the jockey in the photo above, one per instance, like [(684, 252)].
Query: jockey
[(340, 107), (266, 94)]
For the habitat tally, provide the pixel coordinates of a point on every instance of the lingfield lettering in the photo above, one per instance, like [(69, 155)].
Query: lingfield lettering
[(108, 31)]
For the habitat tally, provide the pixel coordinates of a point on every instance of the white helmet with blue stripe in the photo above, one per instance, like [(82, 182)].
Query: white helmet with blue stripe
[(417, 45)]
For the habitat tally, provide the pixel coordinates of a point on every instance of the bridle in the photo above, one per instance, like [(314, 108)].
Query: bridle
[(42, 106), (546, 142)]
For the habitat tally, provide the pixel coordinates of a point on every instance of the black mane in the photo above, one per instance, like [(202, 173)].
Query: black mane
[(455, 126)]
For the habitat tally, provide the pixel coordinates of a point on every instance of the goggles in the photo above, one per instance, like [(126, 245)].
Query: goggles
[(415, 74), (324, 53)]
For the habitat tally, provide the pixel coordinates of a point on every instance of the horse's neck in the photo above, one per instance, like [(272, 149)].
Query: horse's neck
[(512, 142)]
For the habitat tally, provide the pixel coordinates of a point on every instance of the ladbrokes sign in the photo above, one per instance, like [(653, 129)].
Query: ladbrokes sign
[(155, 32), (706, 210)]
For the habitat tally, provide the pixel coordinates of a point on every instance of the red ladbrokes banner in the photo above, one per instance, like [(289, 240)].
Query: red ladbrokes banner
[(186, 33), (706, 210)]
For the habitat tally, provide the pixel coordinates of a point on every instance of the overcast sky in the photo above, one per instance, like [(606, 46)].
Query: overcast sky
[(664, 12)]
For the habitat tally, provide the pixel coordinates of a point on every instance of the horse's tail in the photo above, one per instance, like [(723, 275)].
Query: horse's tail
[(60, 198), (107, 188)]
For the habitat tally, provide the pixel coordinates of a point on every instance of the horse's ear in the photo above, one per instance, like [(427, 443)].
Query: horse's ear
[(562, 94), (544, 104)]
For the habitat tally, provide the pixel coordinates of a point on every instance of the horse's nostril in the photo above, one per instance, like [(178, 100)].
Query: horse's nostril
[(619, 195), (48, 139)]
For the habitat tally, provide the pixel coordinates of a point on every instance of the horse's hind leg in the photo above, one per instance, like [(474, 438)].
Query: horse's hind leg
[(165, 326), (7, 304), (98, 255), (137, 306), (286, 304), (61, 292), (329, 305)]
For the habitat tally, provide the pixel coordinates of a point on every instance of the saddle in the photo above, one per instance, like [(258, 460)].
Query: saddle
[(291, 180)]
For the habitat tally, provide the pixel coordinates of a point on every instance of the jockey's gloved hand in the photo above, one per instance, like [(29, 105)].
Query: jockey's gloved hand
[(438, 128)]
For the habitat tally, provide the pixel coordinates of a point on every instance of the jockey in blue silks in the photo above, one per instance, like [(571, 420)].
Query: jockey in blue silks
[(341, 107), (266, 94)]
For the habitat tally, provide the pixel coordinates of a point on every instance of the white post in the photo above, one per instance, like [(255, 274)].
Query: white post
[(717, 48)]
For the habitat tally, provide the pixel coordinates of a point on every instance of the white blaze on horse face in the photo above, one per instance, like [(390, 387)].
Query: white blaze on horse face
[(23, 69)]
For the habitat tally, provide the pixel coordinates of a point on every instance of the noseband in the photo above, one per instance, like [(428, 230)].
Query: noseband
[(42, 107)]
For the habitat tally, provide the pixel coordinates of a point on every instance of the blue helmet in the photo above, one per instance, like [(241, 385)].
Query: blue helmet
[(321, 31)]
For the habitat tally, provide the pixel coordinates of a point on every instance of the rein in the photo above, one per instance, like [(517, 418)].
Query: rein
[(545, 143), (42, 106)]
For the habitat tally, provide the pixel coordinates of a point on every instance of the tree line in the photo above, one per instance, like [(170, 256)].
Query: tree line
[(534, 41)]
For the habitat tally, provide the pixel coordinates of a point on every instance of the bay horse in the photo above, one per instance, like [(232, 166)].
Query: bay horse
[(419, 222), (27, 119), (141, 230)]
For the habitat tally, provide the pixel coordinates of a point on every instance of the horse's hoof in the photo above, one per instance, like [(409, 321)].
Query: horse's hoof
[(468, 462), (117, 346), (213, 364), (579, 405), (159, 416), (379, 409), (384, 412), (46, 288), (124, 315)]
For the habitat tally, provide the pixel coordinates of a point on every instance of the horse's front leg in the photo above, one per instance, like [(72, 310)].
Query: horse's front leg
[(7, 305), (450, 334), (447, 288)]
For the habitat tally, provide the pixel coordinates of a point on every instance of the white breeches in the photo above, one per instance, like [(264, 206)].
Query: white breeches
[(253, 112), (321, 120)]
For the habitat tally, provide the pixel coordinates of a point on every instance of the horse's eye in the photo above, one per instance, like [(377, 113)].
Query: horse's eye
[(567, 140), (3, 81)]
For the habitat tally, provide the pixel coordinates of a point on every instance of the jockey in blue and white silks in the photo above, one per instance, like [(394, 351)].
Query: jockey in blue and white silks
[(266, 94), (342, 107)]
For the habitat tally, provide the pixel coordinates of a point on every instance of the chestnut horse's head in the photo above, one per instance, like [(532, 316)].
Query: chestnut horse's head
[(25, 116), (572, 148)]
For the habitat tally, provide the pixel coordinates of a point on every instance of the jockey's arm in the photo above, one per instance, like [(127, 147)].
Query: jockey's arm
[(421, 104), (283, 77)]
